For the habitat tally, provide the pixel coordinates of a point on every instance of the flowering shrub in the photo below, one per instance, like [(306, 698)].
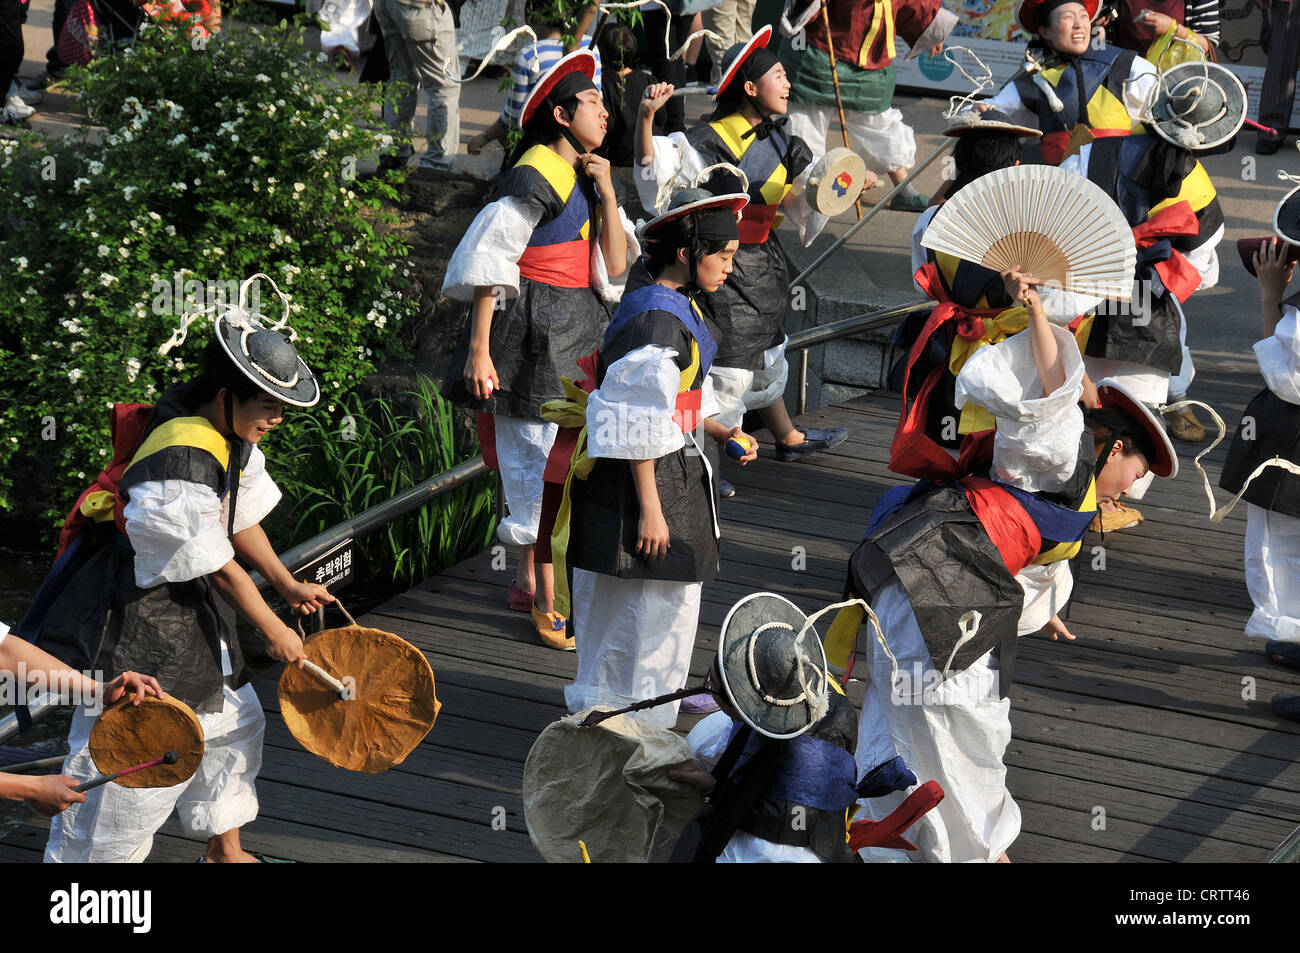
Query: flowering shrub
[(206, 163)]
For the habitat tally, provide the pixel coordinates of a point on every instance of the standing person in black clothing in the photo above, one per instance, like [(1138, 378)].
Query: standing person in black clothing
[(12, 15), (655, 21), (1277, 96), (622, 87)]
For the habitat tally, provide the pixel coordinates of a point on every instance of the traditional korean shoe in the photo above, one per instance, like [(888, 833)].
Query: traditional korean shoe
[(725, 489), (1184, 426), (1283, 653), (814, 441), (909, 200), (519, 599), (553, 629), (1121, 517)]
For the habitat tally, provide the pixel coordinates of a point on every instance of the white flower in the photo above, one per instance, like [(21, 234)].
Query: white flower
[(262, 78), (176, 111), (179, 186), (124, 252), (128, 192), (20, 262), (103, 251), (132, 368), (177, 140), (107, 280), (78, 183), (95, 167), (298, 186), (155, 216), (74, 375)]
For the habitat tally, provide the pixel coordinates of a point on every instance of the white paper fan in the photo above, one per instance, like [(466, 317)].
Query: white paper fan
[(1053, 224)]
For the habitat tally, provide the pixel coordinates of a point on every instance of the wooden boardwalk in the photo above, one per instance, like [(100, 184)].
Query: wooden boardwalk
[(1143, 718)]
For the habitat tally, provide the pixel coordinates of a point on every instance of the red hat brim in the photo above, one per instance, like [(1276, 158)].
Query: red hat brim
[(1114, 394), (1027, 14), (735, 202), (758, 42), (579, 61)]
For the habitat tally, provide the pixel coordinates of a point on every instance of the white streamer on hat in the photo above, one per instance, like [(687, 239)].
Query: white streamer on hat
[(240, 318), (1187, 134), (1217, 513), (979, 84), (606, 7)]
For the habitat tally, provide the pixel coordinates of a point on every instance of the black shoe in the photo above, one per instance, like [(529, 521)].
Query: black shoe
[(1288, 706), (47, 79), (1284, 653), (390, 164), (725, 489), (1266, 147), (814, 440)]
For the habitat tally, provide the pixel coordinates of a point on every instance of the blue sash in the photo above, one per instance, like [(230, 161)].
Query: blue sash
[(655, 297)]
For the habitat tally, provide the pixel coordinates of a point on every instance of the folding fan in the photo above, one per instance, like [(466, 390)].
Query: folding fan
[(1053, 224)]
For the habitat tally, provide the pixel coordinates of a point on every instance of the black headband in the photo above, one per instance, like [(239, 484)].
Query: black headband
[(1122, 424), (757, 65), (716, 224), (1043, 14), (568, 87)]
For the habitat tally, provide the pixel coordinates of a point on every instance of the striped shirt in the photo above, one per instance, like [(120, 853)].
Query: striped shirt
[(1203, 18), (534, 60)]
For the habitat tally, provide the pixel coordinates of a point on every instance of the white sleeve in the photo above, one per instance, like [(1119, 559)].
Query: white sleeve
[(488, 255), (176, 531), (611, 289), (1036, 446), (258, 494), (919, 256), (1140, 88), (796, 207), (710, 737), (1007, 101), (630, 416), (1047, 589), (1078, 162), (1205, 259), (1279, 358), (674, 166)]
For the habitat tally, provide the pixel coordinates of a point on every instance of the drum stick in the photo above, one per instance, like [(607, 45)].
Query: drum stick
[(835, 82), (171, 757), (1265, 129), (33, 765), (692, 88), (327, 678)]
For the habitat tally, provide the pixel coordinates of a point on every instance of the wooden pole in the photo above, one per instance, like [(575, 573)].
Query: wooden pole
[(839, 102)]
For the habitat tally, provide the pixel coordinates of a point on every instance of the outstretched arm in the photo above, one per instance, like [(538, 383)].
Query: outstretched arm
[(1047, 355)]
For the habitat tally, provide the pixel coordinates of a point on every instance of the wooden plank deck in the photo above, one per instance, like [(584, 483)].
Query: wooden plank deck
[(1142, 717)]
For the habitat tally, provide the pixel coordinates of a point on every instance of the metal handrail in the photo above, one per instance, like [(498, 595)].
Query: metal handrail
[(423, 493)]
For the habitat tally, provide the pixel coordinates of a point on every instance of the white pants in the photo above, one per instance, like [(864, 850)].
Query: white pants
[(883, 140), (1273, 574), (522, 448), (738, 390), (420, 38), (954, 733), (732, 21), (635, 638), (117, 824), (344, 20)]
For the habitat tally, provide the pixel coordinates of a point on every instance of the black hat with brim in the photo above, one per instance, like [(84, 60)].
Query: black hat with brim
[(760, 664), (267, 358)]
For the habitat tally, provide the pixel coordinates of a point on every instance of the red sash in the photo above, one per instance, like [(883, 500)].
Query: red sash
[(563, 265), (1177, 274), (1012, 530), (756, 222), (913, 452), (1054, 144)]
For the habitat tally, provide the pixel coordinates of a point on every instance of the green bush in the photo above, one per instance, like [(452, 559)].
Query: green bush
[(204, 166), (373, 452)]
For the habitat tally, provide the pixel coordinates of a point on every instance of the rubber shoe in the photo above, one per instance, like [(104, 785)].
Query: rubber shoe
[(1184, 426), (553, 629), (1122, 517), (698, 705), (1283, 653), (1288, 706), (909, 201), (814, 442), (725, 489), (519, 599)]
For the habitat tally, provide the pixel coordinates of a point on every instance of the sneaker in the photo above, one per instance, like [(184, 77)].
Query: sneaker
[(1184, 426), (553, 629), (813, 442), (1288, 706), (1121, 517), (15, 108), (698, 705), (30, 96), (725, 489), (909, 200)]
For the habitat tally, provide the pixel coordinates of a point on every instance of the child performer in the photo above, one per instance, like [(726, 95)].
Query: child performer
[(1270, 427), (52, 793), (748, 131), (999, 547), (1098, 87), (535, 264), (189, 501), (862, 35), (644, 526)]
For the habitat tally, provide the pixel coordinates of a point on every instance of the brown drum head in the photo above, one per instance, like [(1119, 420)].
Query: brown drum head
[(126, 735), (392, 708), (836, 181)]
